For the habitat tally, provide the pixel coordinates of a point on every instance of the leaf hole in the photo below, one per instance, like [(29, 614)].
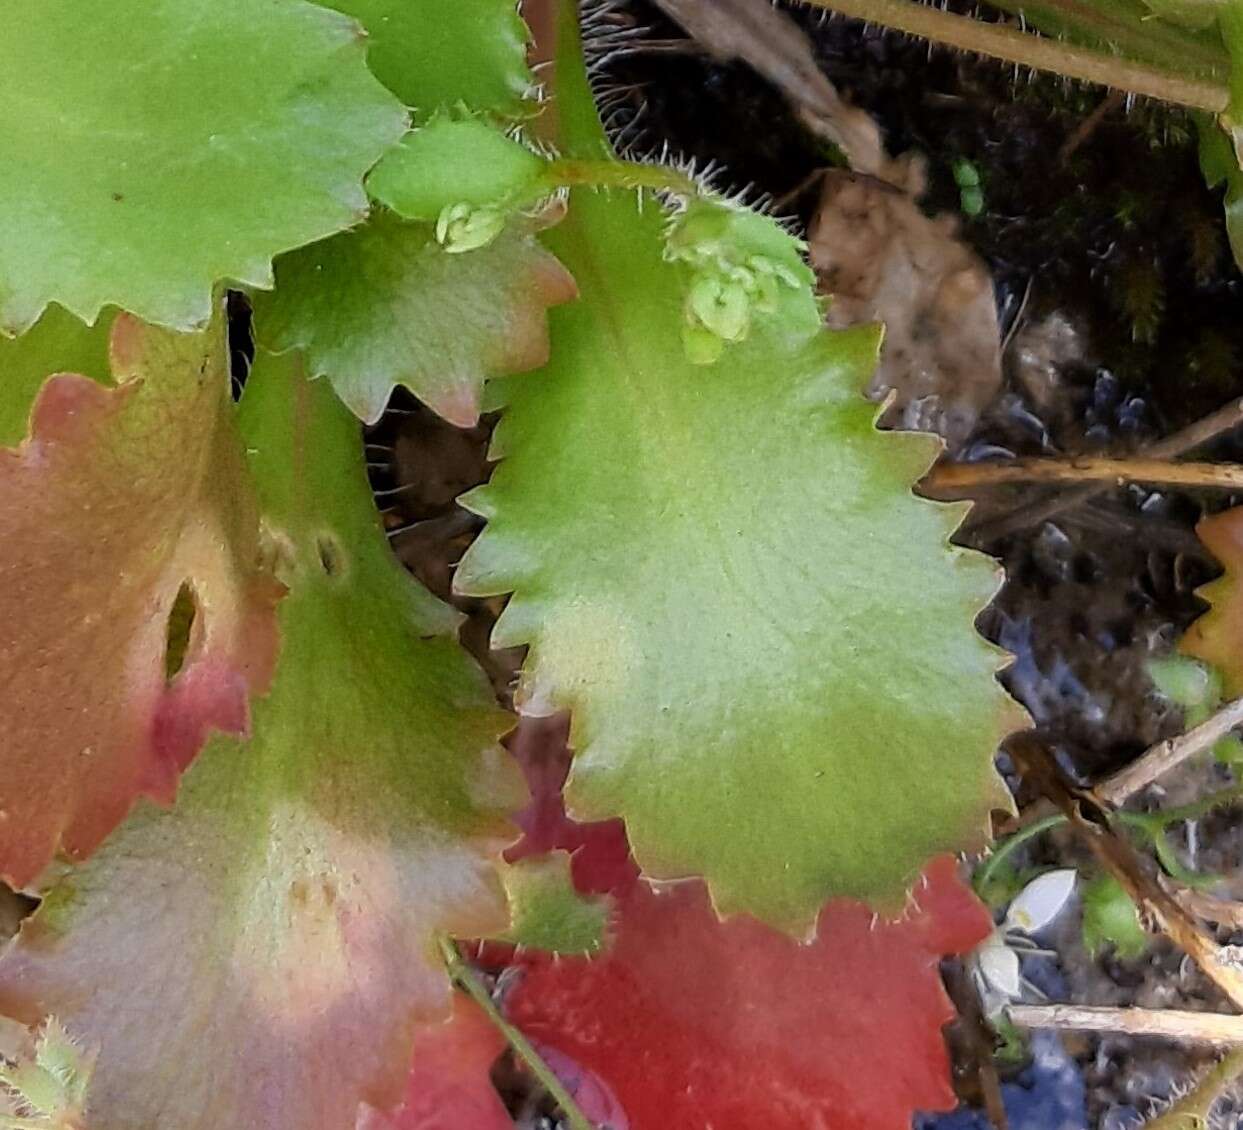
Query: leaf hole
[(331, 557), (241, 339), (181, 619)]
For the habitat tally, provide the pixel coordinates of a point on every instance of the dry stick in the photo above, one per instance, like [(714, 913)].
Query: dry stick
[(950, 478), (1209, 908), (1163, 756), (1120, 859), (1192, 1111), (1151, 764), (1166, 1023), (1210, 427), (1035, 51)]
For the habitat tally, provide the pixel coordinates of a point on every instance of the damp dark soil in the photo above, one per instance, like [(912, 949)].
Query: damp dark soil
[(1118, 302)]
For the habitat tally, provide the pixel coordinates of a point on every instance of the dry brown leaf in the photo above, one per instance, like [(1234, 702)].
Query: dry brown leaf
[(880, 258)]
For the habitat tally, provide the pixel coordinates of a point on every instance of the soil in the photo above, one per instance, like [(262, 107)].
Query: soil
[(1118, 300)]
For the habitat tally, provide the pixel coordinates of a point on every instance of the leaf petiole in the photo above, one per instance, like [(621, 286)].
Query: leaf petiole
[(1005, 850), (466, 977), (572, 173)]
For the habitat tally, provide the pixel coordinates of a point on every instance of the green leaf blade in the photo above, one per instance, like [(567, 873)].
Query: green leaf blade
[(755, 624), (232, 132), (456, 162), (385, 305), (546, 911), (438, 53), (57, 343)]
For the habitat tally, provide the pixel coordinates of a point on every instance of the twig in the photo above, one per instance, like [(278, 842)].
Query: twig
[(465, 976), (1035, 51), (1208, 908), (1112, 101), (949, 478), (1166, 1023), (1226, 417), (1163, 756), (1192, 1111), (1120, 859)]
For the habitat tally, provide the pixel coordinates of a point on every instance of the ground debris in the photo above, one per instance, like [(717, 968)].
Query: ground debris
[(879, 258)]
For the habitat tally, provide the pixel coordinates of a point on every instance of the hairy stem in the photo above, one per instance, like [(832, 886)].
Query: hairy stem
[(469, 980), (1192, 1111), (570, 173), (1034, 51)]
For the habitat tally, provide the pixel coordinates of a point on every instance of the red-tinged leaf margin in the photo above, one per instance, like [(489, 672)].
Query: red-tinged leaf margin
[(116, 499), (264, 952), (385, 305), (449, 1086)]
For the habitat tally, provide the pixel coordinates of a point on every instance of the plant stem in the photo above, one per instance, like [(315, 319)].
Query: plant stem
[(1163, 756), (1007, 849), (1192, 1111), (469, 980), (1151, 824), (570, 173), (950, 477), (1172, 1024), (1035, 51)]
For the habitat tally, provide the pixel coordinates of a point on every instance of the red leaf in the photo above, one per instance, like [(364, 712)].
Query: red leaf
[(449, 1087), (118, 499), (709, 1025)]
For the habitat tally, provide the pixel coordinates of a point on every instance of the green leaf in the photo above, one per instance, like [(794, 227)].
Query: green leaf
[(1110, 917), (437, 53), (1220, 164), (456, 162), (386, 304), (1193, 14), (57, 343), (166, 147), (262, 954), (1185, 681), (764, 638), (547, 913)]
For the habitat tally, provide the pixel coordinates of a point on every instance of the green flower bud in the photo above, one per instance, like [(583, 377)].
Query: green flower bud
[(721, 305), (464, 227)]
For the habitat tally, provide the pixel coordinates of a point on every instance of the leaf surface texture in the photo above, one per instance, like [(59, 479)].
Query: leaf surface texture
[(248, 134), (118, 499), (264, 953)]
